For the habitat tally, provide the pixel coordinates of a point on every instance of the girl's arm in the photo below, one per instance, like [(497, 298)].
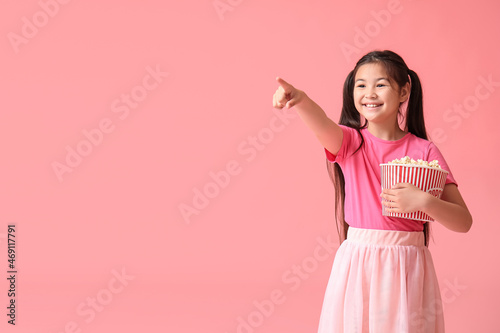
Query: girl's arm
[(327, 131), (451, 210)]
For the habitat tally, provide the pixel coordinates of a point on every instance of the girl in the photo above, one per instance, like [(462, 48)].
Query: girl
[(383, 277)]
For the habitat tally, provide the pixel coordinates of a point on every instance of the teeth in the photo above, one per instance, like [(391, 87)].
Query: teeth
[(372, 105)]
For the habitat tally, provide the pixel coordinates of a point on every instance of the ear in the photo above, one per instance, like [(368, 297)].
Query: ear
[(405, 92)]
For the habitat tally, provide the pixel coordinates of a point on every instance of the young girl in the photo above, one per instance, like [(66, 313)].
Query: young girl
[(383, 277)]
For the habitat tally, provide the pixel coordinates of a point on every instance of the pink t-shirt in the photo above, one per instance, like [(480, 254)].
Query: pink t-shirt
[(363, 204)]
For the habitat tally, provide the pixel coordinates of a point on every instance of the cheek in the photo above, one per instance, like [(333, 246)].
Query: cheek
[(357, 97)]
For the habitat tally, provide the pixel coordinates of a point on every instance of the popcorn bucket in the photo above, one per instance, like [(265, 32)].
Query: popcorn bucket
[(428, 179)]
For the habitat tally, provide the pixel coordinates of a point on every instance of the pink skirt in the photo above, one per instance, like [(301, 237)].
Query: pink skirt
[(382, 281)]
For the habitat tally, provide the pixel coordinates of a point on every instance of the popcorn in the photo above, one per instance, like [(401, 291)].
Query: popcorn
[(427, 176), (411, 161)]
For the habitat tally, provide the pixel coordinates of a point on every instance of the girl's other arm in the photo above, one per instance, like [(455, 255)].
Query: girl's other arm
[(327, 131), (450, 210)]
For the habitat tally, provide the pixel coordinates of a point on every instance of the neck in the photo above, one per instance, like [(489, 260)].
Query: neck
[(386, 132)]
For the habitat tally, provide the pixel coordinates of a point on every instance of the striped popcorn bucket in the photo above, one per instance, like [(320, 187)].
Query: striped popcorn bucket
[(431, 180)]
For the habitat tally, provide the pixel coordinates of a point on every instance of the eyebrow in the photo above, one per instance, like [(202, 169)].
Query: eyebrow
[(380, 78)]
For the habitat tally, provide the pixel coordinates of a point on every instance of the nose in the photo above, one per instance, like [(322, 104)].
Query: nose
[(370, 94)]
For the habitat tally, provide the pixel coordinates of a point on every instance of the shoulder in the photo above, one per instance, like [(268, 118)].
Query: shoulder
[(419, 140), (351, 141), (421, 143), (431, 152), (351, 134), (346, 128)]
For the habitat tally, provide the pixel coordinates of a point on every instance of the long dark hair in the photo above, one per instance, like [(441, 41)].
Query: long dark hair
[(413, 121)]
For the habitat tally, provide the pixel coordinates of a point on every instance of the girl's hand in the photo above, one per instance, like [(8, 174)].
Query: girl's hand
[(286, 95), (406, 198)]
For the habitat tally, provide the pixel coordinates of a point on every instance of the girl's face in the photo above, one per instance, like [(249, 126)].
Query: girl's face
[(376, 97)]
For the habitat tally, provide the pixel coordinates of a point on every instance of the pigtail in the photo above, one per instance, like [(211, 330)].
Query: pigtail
[(338, 181), (415, 123), (348, 117)]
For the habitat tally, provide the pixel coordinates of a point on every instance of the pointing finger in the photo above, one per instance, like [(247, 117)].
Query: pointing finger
[(285, 85)]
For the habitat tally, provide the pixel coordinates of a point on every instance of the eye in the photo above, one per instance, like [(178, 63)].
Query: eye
[(360, 86), (381, 85)]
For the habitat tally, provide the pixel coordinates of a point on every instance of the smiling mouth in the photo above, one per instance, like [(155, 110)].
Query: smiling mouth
[(372, 105)]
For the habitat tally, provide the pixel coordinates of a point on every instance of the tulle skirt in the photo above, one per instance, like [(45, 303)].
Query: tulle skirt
[(382, 281)]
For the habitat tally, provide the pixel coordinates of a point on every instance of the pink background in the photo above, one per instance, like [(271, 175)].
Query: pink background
[(250, 258)]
